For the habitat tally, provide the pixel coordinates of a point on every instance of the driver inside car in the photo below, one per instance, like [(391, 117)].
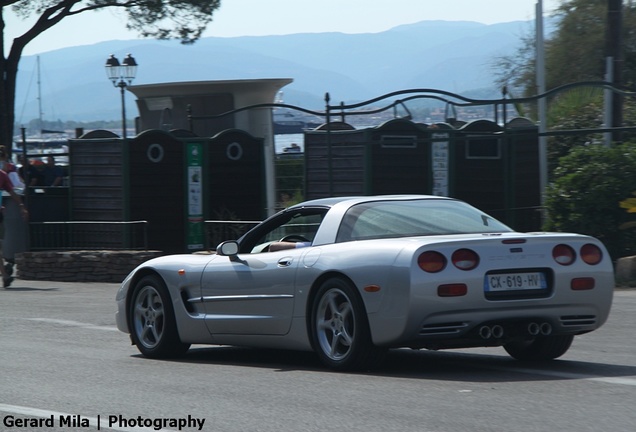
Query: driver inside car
[(282, 245)]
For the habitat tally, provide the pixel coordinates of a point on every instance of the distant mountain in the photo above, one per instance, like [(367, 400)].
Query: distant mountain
[(451, 56)]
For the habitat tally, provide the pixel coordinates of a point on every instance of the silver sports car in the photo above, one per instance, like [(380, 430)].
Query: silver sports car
[(350, 278)]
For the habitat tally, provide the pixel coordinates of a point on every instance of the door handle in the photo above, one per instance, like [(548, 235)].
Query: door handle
[(285, 262)]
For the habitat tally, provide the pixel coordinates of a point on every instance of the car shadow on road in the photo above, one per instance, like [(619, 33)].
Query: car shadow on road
[(26, 288), (412, 364), (281, 360), (479, 367)]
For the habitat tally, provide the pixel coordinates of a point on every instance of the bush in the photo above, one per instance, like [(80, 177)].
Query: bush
[(589, 184)]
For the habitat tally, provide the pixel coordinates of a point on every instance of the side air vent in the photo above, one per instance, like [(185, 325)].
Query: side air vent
[(578, 320), (443, 329), (188, 302)]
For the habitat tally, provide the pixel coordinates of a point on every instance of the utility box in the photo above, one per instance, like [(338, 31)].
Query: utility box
[(336, 163), (497, 170), (481, 170), (173, 182), (391, 158), (155, 189), (139, 179), (492, 167), (400, 154), (235, 176)]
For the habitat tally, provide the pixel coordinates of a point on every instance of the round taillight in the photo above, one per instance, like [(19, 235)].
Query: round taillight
[(465, 259), (431, 262), (591, 254), (563, 254)]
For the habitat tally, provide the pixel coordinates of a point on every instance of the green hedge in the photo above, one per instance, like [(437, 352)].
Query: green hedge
[(589, 184)]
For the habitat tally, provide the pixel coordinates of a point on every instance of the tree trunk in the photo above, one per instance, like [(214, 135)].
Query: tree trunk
[(9, 71), (9, 75)]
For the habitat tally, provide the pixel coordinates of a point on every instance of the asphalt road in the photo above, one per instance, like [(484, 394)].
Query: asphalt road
[(62, 361)]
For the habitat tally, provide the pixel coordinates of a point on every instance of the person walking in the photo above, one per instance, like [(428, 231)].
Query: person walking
[(7, 186), (7, 166)]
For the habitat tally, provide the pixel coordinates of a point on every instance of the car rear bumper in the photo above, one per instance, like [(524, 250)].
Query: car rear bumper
[(482, 322)]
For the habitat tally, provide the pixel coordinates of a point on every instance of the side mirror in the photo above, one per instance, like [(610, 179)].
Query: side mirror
[(228, 248)]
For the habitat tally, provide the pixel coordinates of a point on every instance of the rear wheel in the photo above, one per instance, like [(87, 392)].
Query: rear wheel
[(153, 325), (340, 330), (540, 348)]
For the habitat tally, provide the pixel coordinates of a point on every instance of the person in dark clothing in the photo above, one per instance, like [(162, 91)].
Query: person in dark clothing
[(6, 185), (52, 173)]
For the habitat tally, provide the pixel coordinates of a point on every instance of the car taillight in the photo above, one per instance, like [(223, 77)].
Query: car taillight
[(591, 254), (582, 284), (431, 262), (563, 254), (452, 290), (465, 259)]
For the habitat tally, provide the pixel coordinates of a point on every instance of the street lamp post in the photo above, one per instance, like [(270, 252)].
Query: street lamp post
[(121, 75)]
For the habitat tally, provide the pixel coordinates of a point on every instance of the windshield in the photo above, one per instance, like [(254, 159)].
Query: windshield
[(386, 219)]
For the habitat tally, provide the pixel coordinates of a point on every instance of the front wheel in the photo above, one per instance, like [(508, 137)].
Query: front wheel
[(340, 330), (153, 325), (540, 348)]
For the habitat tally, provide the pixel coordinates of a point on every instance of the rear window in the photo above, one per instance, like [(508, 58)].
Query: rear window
[(387, 219)]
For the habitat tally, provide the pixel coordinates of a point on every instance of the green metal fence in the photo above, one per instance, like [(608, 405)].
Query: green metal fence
[(217, 231)]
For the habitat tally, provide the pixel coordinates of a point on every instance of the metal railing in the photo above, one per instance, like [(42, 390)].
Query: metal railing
[(217, 231), (88, 235)]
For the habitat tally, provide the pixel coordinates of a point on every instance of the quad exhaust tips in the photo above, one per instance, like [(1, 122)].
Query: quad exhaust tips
[(535, 329), (546, 329), (497, 331)]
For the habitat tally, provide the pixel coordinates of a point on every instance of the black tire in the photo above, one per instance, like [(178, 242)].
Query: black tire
[(339, 328), (152, 323), (540, 348)]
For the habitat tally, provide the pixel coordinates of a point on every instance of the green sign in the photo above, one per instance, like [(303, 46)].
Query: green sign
[(194, 184)]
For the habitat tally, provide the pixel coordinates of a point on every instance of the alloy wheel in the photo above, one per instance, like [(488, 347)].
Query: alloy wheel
[(149, 317), (335, 324)]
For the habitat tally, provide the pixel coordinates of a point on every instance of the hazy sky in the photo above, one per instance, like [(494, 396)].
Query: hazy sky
[(268, 17)]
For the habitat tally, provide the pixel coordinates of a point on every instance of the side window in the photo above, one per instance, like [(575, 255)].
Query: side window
[(301, 226)]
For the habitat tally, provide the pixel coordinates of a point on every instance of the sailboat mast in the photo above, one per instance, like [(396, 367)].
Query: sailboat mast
[(40, 114)]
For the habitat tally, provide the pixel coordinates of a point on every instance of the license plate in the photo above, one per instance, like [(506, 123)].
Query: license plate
[(515, 281)]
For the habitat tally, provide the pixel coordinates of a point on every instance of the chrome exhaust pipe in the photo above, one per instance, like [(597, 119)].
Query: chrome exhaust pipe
[(533, 329), (546, 329), (497, 331), (485, 332)]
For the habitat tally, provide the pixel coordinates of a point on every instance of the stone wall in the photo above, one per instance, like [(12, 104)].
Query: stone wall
[(626, 269), (80, 265)]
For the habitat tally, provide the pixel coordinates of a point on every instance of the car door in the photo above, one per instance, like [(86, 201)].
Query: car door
[(251, 294)]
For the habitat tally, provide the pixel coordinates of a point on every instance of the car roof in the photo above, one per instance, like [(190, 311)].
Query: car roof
[(330, 202)]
